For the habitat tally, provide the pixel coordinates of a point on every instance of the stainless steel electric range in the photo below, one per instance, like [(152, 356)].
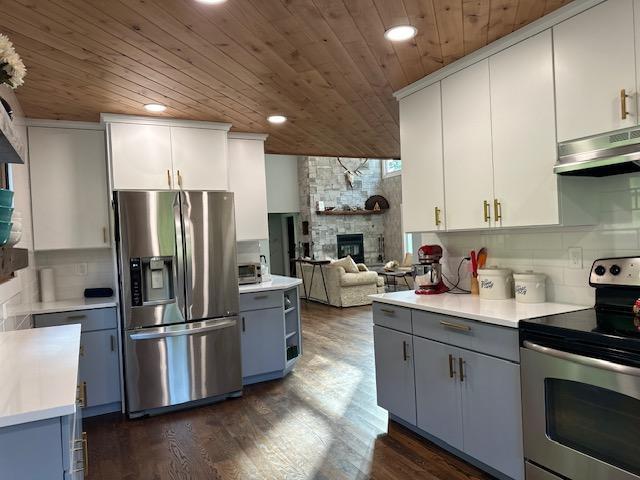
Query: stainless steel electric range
[(581, 383)]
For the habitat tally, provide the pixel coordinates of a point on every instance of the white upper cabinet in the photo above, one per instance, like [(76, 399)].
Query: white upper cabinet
[(248, 182), (68, 188), (468, 176), (421, 153), (199, 158), (594, 61), (523, 131), (158, 154), (141, 157)]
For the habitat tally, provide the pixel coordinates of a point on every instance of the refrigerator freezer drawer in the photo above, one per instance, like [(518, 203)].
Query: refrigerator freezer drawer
[(181, 363)]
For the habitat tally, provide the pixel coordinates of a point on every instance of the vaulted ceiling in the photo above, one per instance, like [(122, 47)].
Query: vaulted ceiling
[(323, 63)]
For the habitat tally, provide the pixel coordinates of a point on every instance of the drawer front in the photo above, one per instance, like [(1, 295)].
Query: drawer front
[(390, 316), (90, 320), (489, 339), (261, 300)]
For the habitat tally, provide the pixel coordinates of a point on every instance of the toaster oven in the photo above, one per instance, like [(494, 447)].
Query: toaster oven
[(249, 273)]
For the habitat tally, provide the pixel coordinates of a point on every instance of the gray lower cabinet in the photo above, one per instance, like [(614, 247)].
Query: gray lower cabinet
[(99, 371), (99, 367), (438, 401), (395, 381), (467, 399), (263, 341), (492, 412)]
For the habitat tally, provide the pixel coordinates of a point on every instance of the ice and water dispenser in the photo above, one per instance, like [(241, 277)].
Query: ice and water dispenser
[(151, 281)]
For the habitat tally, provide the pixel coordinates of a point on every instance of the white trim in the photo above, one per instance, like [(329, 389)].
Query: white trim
[(168, 122), (544, 23), (43, 122), (248, 136), (395, 173)]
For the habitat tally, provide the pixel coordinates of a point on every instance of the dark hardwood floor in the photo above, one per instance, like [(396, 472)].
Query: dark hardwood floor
[(321, 422)]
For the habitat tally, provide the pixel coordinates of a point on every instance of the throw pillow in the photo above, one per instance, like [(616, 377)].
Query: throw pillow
[(347, 263)]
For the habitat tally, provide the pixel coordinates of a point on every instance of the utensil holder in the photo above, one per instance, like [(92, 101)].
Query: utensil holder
[(475, 287)]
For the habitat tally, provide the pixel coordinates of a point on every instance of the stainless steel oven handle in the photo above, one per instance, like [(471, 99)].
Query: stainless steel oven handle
[(185, 331), (588, 361)]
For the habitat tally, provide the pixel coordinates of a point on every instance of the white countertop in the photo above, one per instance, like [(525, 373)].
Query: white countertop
[(506, 313), (64, 306), (38, 373), (277, 282)]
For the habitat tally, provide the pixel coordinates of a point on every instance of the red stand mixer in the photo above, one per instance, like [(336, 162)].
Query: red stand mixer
[(427, 275)]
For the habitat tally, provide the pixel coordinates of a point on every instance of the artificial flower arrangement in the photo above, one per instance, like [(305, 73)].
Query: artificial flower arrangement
[(12, 70)]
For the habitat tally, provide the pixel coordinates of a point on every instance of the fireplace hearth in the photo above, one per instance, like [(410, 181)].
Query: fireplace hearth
[(351, 244)]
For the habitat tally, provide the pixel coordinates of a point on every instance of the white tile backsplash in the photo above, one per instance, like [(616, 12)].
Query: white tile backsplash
[(69, 270), (545, 249)]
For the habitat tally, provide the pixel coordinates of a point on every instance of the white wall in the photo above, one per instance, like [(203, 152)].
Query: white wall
[(22, 290), (546, 249), (282, 183)]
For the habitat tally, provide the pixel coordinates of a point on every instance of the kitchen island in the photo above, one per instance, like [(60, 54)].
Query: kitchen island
[(270, 325), (40, 416), (448, 368)]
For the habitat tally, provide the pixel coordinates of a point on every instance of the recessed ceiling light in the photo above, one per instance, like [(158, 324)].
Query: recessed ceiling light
[(211, 2), (400, 33), (155, 107), (277, 118)]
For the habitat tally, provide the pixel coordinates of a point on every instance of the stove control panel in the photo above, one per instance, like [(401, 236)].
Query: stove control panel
[(616, 271)]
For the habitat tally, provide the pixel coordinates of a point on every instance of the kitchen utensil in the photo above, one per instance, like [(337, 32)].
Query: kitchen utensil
[(474, 263), (482, 257)]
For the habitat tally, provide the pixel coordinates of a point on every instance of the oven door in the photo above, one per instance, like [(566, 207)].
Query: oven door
[(581, 415)]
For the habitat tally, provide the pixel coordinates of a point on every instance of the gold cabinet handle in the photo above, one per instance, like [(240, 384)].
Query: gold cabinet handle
[(104, 234), (455, 326), (623, 104), (451, 370), (437, 216), (179, 179), (388, 311), (169, 178), (486, 211), (82, 350), (461, 366), (85, 453), (497, 209), (82, 394)]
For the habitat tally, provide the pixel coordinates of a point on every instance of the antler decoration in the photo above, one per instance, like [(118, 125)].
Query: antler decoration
[(351, 175)]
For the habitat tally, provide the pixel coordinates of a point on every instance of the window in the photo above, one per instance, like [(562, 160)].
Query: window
[(391, 167)]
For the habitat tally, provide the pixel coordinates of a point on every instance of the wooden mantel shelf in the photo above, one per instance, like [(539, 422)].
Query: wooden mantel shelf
[(349, 212)]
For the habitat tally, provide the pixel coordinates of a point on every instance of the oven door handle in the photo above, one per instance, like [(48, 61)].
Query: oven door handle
[(582, 360)]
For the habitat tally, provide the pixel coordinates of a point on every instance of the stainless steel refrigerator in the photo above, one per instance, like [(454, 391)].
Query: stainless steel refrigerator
[(179, 296)]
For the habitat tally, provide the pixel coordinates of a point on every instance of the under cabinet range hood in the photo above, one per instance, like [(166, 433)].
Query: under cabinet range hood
[(601, 155)]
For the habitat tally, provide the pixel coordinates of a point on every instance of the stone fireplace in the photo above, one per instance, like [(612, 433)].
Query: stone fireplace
[(351, 244)]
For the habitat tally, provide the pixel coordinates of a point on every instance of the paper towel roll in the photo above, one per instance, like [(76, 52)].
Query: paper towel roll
[(47, 285)]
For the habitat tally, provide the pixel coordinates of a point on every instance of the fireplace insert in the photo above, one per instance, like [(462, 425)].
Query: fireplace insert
[(351, 244)]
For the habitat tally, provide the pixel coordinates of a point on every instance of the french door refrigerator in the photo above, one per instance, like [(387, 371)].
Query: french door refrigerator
[(179, 297)]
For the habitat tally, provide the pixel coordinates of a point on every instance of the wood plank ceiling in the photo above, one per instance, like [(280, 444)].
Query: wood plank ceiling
[(323, 63)]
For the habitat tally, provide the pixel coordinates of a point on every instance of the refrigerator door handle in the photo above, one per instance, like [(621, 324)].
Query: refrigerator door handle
[(188, 330), (179, 268), (188, 253)]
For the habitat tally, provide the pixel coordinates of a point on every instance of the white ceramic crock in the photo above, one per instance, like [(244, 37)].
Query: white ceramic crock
[(495, 283), (530, 287)]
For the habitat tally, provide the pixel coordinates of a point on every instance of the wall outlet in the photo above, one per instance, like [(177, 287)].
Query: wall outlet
[(81, 269), (575, 257)]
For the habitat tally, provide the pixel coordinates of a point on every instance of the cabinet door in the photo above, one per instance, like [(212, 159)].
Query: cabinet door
[(69, 188), (262, 341), (248, 182), (468, 175), (141, 157), (199, 158), (99, 367), (395, 383), (524, 137), (421, 152), (438, 403), (492, 413), (594, 59)]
